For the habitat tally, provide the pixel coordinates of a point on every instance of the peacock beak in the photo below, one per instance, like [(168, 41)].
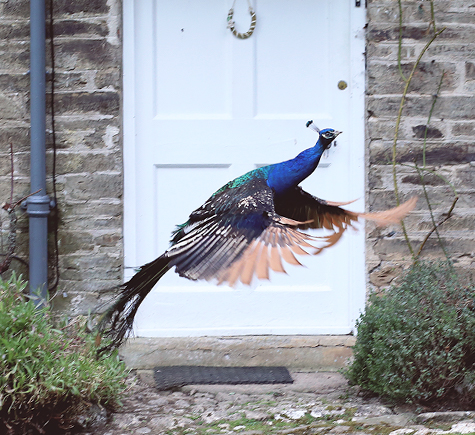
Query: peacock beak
[(337, 133)]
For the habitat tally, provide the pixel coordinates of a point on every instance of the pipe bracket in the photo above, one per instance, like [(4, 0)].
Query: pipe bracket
[(37, 205)]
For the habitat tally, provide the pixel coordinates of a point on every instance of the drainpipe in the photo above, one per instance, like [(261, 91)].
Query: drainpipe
[(38, 205)]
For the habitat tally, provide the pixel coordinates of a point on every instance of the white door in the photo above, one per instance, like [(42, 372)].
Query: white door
[(202, 107)]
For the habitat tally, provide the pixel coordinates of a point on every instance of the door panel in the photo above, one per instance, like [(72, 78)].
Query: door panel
[(206, 107)]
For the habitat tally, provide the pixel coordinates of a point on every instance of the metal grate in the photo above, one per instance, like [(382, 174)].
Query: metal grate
[(178, 376)]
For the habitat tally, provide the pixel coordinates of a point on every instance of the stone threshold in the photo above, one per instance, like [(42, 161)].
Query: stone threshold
[(297, 352)]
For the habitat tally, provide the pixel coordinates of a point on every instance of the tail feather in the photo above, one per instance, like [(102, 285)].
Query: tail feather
[(116, 323)]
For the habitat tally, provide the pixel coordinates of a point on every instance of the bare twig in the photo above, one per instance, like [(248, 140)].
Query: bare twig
[(400, 43), (9, 207), (449, 215), (435, 226)]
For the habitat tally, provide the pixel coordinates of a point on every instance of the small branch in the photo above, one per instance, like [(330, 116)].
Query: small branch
[(400, 43), (449, 215), (15, 257), (435, 226), (9, 207)]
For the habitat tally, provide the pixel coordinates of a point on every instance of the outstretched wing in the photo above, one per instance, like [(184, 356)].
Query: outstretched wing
[(314, 212), (236, 234), (246, 231)]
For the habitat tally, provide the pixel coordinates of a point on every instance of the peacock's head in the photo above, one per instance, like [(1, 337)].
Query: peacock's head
[(326, 136)]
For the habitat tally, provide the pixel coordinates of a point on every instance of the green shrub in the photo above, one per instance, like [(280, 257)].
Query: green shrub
[(416, 342), (49, 376)]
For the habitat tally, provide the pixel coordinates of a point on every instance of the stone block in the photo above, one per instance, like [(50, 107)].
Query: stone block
[(78, 267), (454, 51), (107, 103), (80, 28), (409, 128), (86, 133), (16, 134), (109, 239), (423, 131), (441, 199), (108, 78), (465, 176), (378, 32), (12, 106), (74, 241), (14, 30), (86, 54), (437, 153), (19, 9), (384, 275), (70, 162), (384, 78), (388, 13), (73, 81), (107, 214), (81, 7), (93, 186), (464, 128), (14, 56), (394, 249), (448, 106), (11, 83)]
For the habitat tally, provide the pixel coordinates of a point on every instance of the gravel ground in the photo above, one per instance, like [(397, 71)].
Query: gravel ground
[(316, 403)]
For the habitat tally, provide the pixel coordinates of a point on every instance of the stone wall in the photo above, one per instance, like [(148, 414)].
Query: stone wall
[(450, 145), (87, 101)]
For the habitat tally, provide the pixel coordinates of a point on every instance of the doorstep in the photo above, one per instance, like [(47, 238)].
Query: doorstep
[(297, 352)]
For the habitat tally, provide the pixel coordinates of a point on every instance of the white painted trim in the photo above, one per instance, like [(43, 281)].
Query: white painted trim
[(128, 113), (357, 123)]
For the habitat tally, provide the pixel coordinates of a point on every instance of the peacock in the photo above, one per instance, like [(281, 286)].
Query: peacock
[(247, 228)]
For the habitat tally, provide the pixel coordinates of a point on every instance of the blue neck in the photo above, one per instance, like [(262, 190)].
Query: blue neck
[(289, 174)]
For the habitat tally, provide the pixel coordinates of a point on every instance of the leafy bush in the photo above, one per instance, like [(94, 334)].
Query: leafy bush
[(49, 377), (416, 342)]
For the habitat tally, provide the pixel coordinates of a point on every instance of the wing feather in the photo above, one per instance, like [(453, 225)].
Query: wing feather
[(312, 212), (252, 231), (262, 266), (275, 260)]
